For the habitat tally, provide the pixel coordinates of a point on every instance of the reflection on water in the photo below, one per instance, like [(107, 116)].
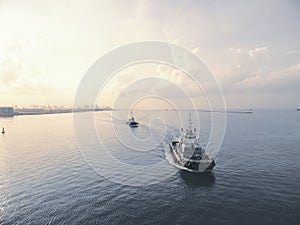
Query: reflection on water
[(198, 179)]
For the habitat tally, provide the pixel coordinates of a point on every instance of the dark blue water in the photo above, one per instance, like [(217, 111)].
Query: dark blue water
[(44, 178)]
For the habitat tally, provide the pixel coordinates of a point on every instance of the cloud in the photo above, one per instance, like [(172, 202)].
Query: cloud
[(15, 68), (180, 79), (258, 41), (11, 63), (8, 73), (259, 70), (196, 51), (257, 51), (287, 79), (32, 89), (255, 73), (244, 59)]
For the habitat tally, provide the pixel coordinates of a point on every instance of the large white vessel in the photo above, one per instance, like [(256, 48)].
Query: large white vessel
[(188, 153)]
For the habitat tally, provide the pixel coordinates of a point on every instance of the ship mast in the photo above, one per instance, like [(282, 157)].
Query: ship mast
[(191, 133), (132, 118), (190, 121)]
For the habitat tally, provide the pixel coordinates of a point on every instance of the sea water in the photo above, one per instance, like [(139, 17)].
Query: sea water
[(49, 175)]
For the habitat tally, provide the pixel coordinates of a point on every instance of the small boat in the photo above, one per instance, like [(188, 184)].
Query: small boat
[(131, 122), (3, 131), (298, 109), (189, 154)]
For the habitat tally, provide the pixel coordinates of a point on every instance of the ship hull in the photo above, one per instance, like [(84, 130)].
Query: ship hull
[(133, 124), (202, 165)]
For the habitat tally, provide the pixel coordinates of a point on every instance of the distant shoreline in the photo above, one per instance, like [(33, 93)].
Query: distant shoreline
[(36, 112), (33, 112)]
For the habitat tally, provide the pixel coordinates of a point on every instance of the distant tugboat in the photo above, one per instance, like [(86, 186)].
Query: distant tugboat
[(131, 122), (3, 131), (189, 154)]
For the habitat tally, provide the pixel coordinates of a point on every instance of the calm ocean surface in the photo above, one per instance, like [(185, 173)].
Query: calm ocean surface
[(45, 178)]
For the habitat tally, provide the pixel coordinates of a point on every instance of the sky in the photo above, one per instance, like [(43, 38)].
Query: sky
[(252, 48)]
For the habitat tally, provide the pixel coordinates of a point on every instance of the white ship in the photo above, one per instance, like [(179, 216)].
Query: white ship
[(188, 152)]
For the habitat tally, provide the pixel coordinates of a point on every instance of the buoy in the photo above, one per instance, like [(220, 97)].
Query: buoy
[(3, 131)]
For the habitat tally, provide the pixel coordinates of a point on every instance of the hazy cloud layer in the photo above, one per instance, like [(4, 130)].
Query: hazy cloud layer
[(252, 47)]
